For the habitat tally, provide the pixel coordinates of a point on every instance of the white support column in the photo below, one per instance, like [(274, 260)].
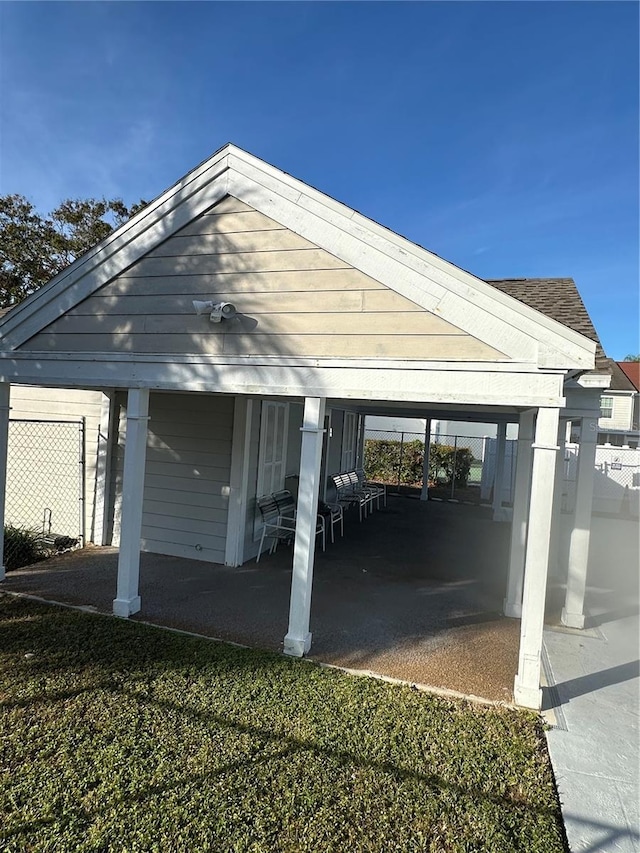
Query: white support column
[(556, 520), (298, 638), (360, 448), (327, 451), (424, 494), (127, 601), (573, 611), (498, 482), (5, 391), (527, 690), (107, 431), (513, 601)]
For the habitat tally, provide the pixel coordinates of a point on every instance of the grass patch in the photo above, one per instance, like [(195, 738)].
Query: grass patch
[(117, 736)]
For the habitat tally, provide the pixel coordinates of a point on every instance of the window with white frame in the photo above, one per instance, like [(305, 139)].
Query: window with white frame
[(349, 438), (606, 407)]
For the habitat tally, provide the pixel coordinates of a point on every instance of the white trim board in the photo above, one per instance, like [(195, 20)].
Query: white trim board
[(460, 387), (436, 285)]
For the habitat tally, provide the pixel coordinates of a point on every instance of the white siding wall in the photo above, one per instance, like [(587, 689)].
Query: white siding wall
[(187, 475), (621, 417)]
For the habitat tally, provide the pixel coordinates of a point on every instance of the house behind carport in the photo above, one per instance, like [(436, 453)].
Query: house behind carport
[(337, 317)]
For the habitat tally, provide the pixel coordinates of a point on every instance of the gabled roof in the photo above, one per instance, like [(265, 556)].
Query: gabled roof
[(560, 299), (631, 370), (495, 318)]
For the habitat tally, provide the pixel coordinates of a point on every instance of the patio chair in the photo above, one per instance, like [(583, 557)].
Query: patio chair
[(348, 494), (379, 490), (278, 512), (333, 514)]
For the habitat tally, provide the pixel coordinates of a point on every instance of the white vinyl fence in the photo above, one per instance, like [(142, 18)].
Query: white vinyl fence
[(616, 487)]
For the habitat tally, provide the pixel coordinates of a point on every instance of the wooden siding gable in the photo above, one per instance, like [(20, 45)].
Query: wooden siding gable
[(313, 230), (292, 297)]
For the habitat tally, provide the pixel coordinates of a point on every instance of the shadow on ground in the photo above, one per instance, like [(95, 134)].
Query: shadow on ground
[(414, 592)]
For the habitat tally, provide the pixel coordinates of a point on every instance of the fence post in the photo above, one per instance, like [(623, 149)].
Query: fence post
[(4, 445), (83, 480), (400, 463), (424, 494), (453, 475)]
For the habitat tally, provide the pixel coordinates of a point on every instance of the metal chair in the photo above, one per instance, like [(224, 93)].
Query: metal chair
[(348, 495), (378, 490), (333, 514), (278, 512)]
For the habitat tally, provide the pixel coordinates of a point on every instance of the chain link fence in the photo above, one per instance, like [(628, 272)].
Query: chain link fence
[(455, 463), (462, 468), (45, 491)]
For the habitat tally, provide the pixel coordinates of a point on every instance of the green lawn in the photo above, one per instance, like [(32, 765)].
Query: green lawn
[(118, 736)]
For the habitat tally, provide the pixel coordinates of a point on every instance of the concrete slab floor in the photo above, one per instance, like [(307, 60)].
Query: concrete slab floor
[(413, 592)]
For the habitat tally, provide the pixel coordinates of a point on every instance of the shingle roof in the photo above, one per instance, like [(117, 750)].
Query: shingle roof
[(559, 299)]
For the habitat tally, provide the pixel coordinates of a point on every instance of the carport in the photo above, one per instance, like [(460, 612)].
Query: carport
[(430, 613), (333, 311)]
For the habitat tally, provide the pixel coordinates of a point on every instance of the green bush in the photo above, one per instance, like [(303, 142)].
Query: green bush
[(21, 547), (383, 462), (447, 462)]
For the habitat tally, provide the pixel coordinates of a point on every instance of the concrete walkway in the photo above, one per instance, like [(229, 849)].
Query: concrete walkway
[(595, 746)]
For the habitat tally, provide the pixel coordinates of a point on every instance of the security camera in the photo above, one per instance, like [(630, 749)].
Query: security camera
[(217, 310), (222, 311)]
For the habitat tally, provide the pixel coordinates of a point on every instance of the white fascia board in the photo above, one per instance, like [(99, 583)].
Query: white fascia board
[(485, 388), (433, 283), (272, 361), (192, 195)]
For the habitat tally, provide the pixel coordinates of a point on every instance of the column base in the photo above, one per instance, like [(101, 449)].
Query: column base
[(126, 606), (504, 513), (512, 610), (296, 647), (572, 620), (527, 697)]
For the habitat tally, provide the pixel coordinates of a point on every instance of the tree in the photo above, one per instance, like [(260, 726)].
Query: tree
[(631, 358), (33, 248)]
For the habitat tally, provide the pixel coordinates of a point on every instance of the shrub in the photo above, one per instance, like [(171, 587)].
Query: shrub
[(447, 462), (22, 547), (383, 462)]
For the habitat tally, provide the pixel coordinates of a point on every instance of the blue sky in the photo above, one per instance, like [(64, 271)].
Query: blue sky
[(502, 136)]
